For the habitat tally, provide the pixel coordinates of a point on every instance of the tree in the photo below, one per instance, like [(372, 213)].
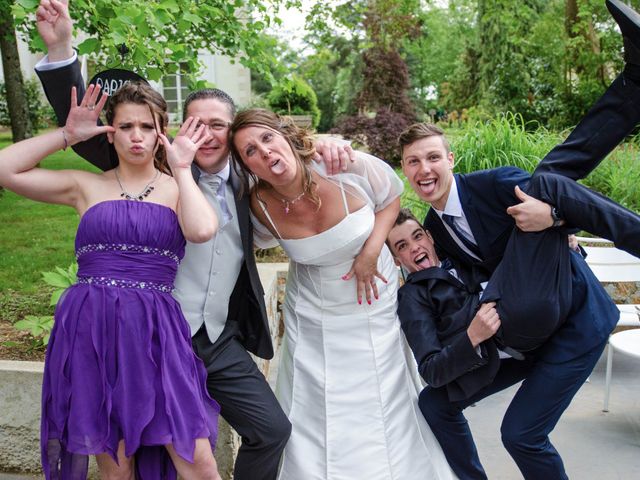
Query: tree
[(435, 56), (293, 96), (14, 85), (161, 35)]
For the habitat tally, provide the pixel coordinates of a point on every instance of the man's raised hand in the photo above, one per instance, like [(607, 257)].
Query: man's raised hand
[(55, 27)]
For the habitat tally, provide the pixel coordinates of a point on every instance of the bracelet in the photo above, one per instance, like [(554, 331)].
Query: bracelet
[(64, 138)]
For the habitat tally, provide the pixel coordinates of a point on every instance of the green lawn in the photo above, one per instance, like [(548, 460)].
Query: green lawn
[(34, 237)]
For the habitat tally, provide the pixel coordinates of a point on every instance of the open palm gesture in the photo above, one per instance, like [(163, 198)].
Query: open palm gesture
[(82, 121), (189, 139)]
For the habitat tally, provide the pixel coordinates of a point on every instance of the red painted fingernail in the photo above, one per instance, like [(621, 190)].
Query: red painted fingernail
[(344, 277), (376, 297), (359, 302), (369, 302)]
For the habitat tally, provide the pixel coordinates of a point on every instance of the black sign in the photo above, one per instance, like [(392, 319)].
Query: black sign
[(111, 80)]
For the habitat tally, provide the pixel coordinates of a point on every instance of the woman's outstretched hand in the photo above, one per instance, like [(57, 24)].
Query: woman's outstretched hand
[(182, 150), (365, 269), (82, 121)]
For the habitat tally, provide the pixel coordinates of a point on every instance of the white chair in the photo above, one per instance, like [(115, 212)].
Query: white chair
[(612, 265), (627, 342)]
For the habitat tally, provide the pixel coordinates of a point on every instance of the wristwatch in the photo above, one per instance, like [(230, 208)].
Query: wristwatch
[(555, 216)]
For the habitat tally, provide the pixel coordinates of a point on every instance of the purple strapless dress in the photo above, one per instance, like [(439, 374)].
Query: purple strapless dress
[(119, 363)]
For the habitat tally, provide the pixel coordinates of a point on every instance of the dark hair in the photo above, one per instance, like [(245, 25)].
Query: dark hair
[(206, 93), (143, 94), (404, 215), (418, 131), (299, 139)]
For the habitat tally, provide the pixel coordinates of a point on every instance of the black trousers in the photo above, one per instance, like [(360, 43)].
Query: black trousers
[(532, 284), (247, 403)]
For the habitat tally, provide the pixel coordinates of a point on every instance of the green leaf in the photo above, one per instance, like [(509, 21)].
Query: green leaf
[(118, 37), (33, 324), (55, 296), (28, 4), (140, 57), (55, 279), (154, 74), (163, 17), (190, 17), (170, 5)]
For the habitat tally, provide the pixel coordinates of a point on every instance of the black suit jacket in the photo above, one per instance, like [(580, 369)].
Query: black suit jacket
[(246, 305), (435, 309)]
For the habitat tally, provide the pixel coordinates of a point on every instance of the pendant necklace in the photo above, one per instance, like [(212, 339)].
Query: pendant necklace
[(287, 203), (148, 188)]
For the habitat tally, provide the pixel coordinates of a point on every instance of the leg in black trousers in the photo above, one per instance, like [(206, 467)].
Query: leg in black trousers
[(247, 403), (450, 426)]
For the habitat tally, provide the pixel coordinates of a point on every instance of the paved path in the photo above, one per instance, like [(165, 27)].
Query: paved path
[(593, 444)]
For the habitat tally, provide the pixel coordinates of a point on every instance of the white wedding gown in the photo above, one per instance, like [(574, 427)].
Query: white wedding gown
[(346, 379)]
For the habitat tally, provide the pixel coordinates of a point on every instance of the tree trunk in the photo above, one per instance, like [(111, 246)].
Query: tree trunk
[(586, 31), (16, 98)]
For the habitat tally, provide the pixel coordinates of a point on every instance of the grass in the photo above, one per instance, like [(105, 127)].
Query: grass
[(34, 237)]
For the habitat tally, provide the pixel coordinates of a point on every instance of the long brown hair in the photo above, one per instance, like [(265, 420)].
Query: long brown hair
[(299, 139), (140, 93)]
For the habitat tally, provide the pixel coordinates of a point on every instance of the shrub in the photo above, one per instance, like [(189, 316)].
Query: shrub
[(40, 113), (379, 133), (40, 327), (294, 96)]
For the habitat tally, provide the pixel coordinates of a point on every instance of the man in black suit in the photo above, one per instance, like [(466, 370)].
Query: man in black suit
[(218, 285), (472, 220)]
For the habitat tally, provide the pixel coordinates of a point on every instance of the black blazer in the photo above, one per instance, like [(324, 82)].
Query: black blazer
[(435, 309), (246, 305)]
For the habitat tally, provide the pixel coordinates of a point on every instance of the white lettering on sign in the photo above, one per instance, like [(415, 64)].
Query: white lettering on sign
[(110, 86)]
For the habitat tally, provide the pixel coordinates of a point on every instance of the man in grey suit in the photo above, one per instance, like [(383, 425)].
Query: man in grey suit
[(217, 283)]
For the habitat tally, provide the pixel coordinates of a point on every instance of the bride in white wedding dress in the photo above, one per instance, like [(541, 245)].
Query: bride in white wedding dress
[(347, 380)]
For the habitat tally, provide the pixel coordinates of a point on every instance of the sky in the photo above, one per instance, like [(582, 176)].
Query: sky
[(293, 21)]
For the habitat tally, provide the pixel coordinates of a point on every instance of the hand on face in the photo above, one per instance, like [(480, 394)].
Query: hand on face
[(82, 121), (214, 153), (54, 23), (190, 137)]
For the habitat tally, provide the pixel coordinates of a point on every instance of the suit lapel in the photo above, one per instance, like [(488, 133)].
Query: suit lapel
[(195, 171), (444, 242), (473, 217), (242, 208)]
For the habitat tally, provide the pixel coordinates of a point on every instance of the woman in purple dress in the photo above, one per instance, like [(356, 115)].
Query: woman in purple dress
[(121, 381)]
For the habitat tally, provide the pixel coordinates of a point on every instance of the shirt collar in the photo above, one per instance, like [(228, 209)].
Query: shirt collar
[(453, 206), (223, 174)]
